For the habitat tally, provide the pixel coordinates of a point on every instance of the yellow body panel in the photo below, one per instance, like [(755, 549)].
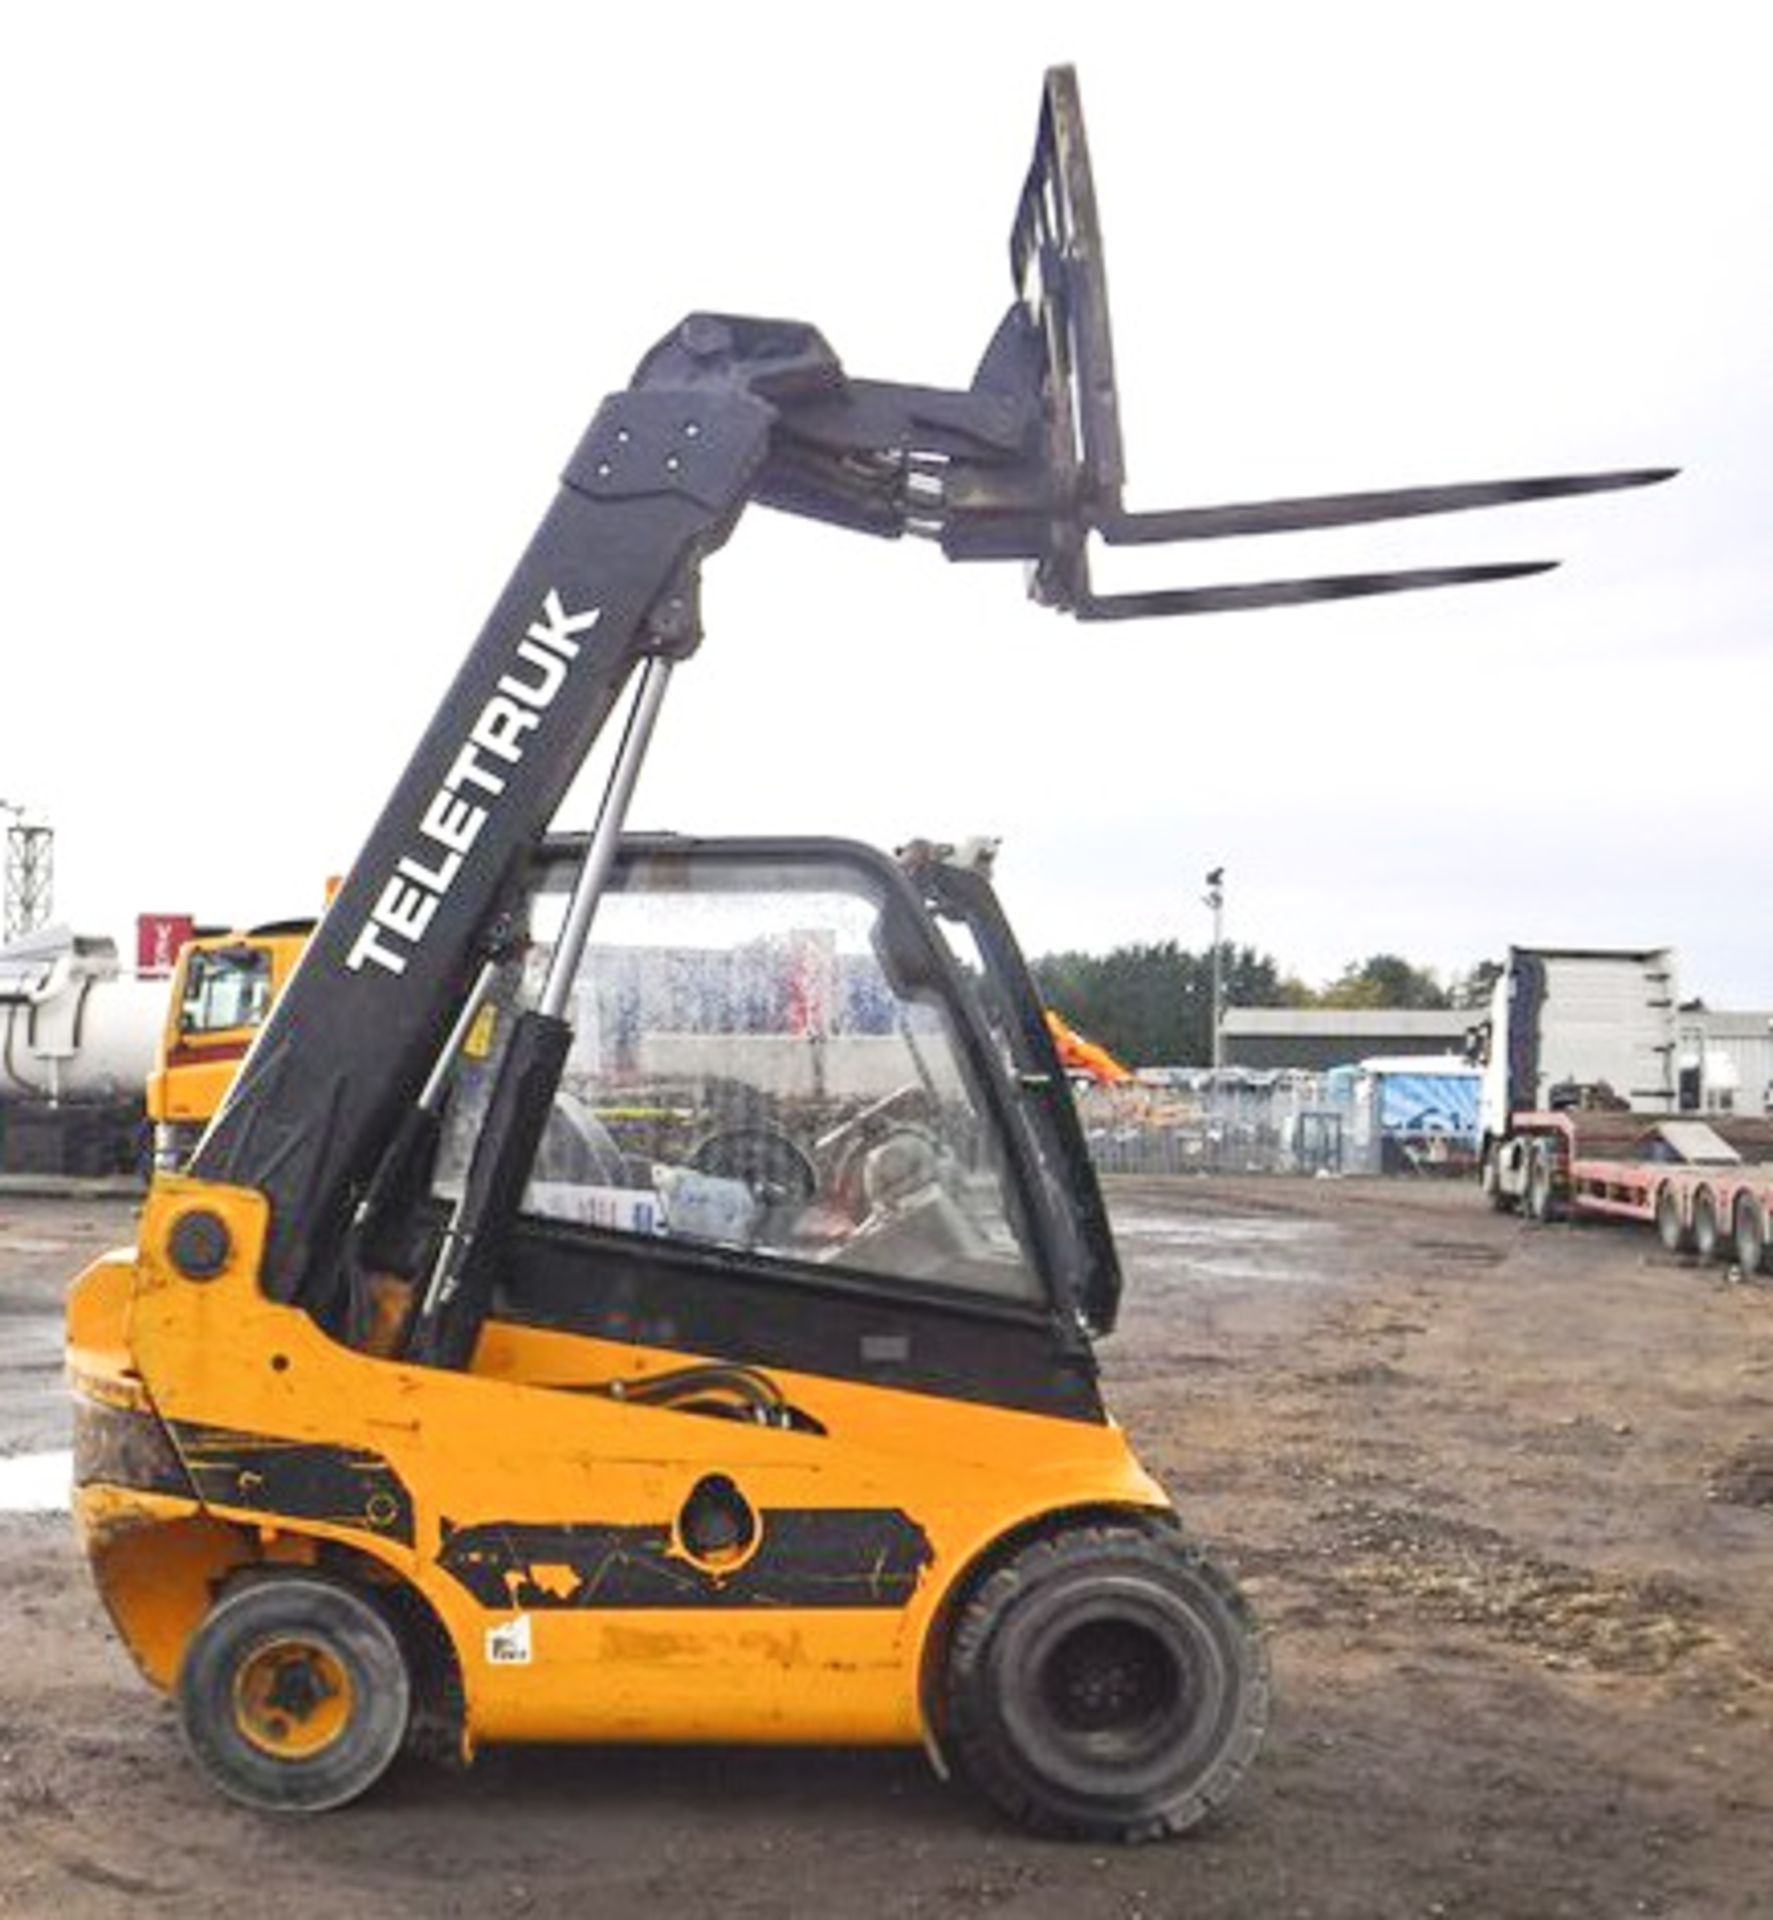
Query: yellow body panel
[(157, 1559), (512, 1444), (190, 1092)]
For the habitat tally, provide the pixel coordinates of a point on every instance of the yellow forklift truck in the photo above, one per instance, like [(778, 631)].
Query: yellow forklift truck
[(222, 989), (644, 1289)]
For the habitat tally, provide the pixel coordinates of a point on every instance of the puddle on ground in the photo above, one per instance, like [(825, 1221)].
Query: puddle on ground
[(36, 1482), (1234, 1248)]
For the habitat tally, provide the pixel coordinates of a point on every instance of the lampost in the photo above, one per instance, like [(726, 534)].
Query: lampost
[(1214, 897)]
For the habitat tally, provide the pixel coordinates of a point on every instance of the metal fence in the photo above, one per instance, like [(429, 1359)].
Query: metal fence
[(1286, 1123)]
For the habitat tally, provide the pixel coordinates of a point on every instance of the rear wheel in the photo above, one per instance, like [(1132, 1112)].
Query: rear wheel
[(1671, 1229), (1106, 1683), (1750, 1237), (294, 1694), (1708, 1242)]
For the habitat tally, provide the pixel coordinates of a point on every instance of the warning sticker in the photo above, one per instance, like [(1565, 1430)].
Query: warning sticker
[(508, 1644), (480, 1035)]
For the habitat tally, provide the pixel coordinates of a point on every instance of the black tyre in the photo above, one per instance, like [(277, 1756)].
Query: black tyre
[(1708, 1242), (294, 1694), (1671, 1229), (1108, 1684), (1541, 1202), (1490, 1181), (1750, 1237)]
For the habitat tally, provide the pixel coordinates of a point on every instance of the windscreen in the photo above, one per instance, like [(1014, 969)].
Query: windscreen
[(765, 1058), (225, 988)]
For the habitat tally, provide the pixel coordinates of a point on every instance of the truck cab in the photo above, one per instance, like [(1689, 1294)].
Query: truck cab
[(1571, 1030)]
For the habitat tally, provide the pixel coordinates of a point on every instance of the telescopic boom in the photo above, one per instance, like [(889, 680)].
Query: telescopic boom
[(1024, 464)]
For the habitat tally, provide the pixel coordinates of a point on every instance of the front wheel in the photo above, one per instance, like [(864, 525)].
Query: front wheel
[(1490, 1181), (294, 1694), (1108, 1684), (1542, 1201)]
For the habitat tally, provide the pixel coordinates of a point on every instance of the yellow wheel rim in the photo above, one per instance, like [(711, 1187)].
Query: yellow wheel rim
[(292, 1698)]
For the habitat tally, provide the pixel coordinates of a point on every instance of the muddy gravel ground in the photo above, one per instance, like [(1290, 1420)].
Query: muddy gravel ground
[(1503, 1495)]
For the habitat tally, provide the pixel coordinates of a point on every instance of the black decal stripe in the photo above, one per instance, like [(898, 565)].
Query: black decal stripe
[(125, 1447), (826, 1557), (296, 1479)]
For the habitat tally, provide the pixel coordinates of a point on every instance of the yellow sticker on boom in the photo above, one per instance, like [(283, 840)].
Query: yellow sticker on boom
[(480, 1036)]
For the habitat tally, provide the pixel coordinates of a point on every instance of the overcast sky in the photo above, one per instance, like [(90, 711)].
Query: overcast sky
[(305, 308)]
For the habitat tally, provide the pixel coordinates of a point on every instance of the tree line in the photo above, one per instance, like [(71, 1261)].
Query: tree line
[(1153, 1004)]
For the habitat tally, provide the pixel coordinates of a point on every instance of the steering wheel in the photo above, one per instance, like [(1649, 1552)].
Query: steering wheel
[(778, 1173)]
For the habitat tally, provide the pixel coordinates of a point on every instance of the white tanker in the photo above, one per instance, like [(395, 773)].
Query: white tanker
[(77, 1040)]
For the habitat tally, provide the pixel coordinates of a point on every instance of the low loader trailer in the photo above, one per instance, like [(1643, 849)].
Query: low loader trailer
[(1582, 1107), (1705, 1185)]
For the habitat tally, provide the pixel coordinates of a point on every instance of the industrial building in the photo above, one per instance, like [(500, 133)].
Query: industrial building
[(1725, 1061), (1314, 1039)]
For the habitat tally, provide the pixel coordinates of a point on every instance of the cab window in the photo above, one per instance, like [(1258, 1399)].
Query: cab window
[(225, 987), (763, 1061)]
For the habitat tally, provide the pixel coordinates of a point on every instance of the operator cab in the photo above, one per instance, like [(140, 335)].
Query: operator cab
[(804, 1074)]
